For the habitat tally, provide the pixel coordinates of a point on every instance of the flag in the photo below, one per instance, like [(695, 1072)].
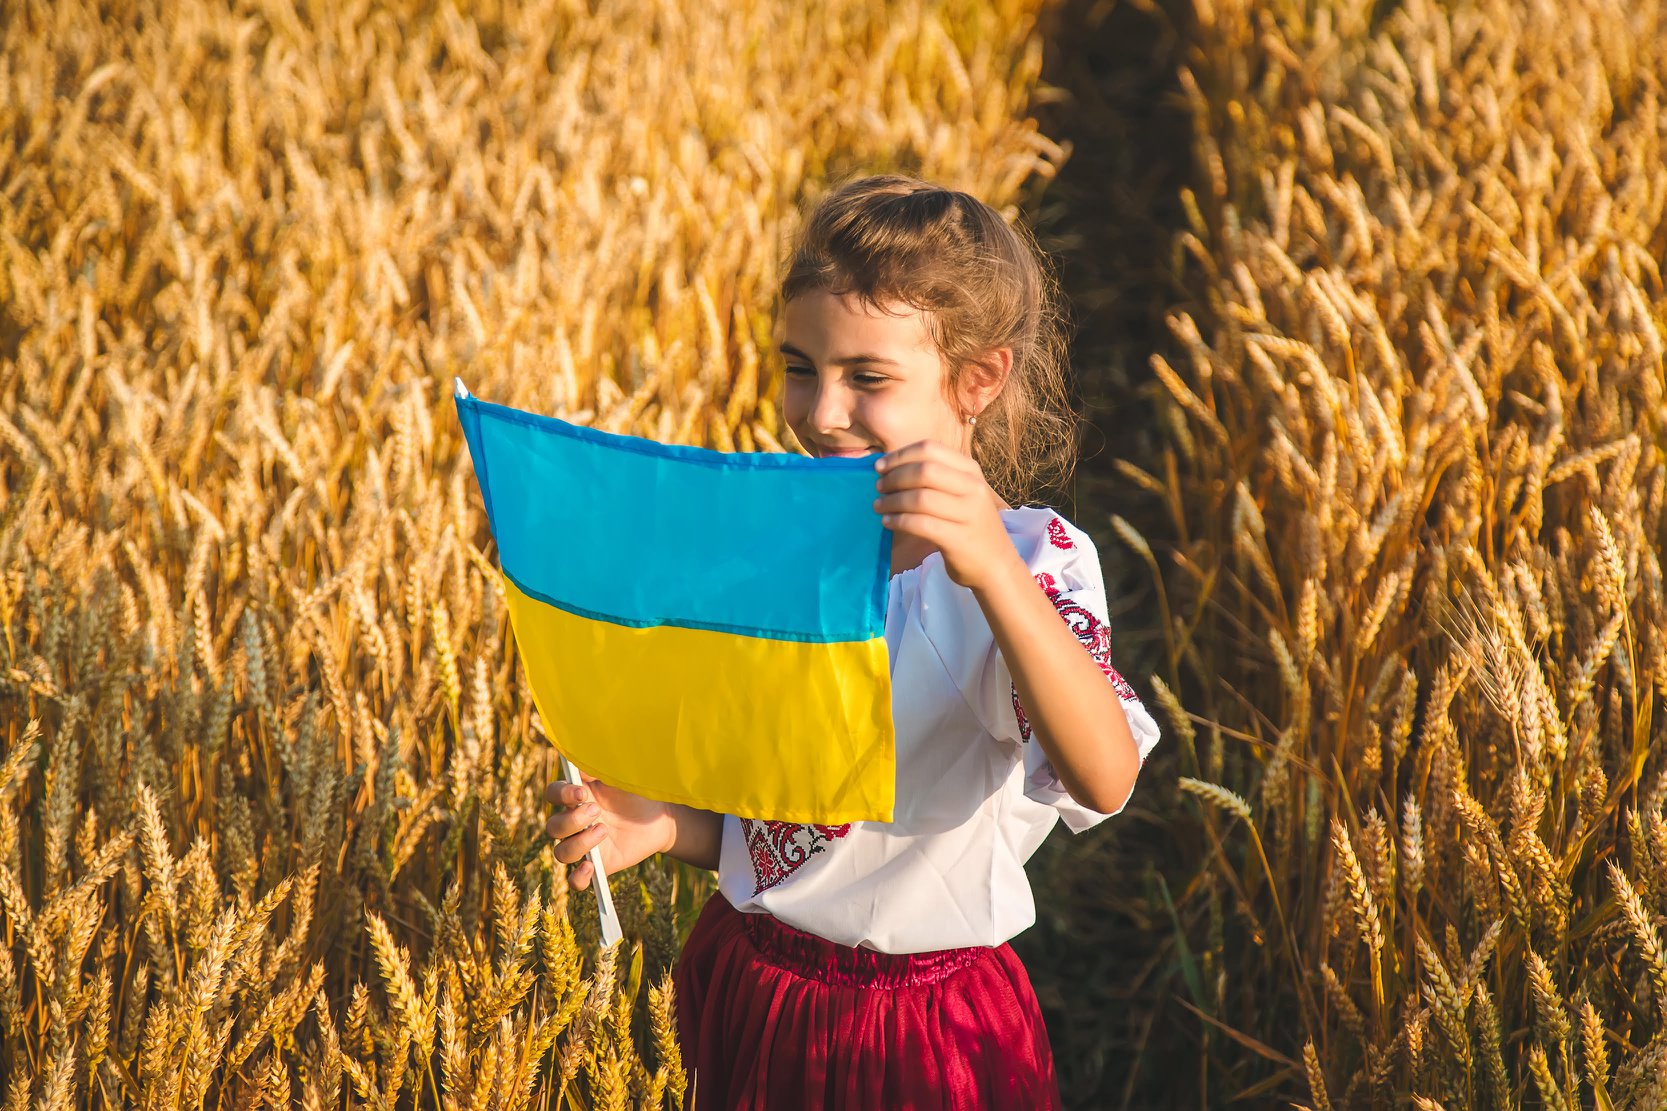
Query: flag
[(697, 626)]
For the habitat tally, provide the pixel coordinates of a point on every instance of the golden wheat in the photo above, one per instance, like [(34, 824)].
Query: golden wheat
[(1410, 434)]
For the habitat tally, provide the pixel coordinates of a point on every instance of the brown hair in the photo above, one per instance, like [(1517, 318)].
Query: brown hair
[(982, 283)]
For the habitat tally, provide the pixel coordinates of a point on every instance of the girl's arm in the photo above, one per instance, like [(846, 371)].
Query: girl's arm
[(940, 495), (1074, 714), (629, 828), (697, 835)]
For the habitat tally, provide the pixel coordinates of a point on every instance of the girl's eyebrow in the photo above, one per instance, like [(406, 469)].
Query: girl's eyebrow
[(849, 360)]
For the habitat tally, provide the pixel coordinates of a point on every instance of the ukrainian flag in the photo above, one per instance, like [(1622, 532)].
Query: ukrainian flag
[(697, 626)]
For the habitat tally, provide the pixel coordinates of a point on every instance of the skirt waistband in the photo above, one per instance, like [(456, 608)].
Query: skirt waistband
[(817, 958)]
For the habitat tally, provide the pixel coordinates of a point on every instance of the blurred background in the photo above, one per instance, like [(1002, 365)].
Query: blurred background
[(1370, 321)]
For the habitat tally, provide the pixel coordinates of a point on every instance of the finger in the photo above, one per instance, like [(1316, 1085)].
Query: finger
[(570, 850), (578, 877), (928, 473), (568, 793), (911, 453), (566, 823), (927, 527), (935, 503)]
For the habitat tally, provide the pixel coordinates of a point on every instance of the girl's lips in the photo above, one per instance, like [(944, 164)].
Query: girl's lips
[(849, 453)]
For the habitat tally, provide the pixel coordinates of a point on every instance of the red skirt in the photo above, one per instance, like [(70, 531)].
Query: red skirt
[(771, 1018)]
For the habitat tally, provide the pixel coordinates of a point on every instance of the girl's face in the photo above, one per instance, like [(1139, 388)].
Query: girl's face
[(860, 381)]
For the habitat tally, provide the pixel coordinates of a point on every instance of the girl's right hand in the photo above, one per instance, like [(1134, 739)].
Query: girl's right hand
[(629, 828)]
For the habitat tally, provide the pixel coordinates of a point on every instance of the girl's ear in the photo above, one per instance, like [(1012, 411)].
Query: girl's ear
[(984, 379)]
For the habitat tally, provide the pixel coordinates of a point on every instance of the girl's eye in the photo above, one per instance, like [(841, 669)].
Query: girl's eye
[(798, 369)]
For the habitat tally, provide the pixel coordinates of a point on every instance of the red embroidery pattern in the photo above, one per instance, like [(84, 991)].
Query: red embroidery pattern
[(778, 849), (1057, 535), (1091, 632)]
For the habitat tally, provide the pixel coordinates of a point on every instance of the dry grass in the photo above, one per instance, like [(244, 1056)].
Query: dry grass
[(269, 828), (1416, 472)]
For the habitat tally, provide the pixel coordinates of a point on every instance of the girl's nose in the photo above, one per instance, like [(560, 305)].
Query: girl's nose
[(831, 411)]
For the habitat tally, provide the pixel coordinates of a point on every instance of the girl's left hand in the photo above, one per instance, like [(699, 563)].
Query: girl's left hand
[(935, 493)]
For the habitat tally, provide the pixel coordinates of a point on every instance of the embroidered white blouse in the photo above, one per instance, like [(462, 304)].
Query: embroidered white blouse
[(976, 795)]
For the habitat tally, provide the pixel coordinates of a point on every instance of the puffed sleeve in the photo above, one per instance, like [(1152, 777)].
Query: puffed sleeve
[(1066, 566)]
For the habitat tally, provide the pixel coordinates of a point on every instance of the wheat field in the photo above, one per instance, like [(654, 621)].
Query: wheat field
[(1412, 488), (269, 818)]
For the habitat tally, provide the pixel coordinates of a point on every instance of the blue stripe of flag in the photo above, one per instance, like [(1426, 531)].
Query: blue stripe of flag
[(624, 529)]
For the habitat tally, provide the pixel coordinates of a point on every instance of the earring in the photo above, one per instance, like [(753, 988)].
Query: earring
[(972, 420)]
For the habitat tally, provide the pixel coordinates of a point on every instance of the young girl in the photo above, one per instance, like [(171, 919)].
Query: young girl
[(866, 965)]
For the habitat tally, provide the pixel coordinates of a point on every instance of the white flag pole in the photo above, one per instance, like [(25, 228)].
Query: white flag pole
[(599, 879)]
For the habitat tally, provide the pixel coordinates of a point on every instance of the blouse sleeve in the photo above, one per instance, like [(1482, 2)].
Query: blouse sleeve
[(1064, 563)]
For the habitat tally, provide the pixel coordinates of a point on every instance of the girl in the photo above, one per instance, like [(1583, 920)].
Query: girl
[(867, 965)]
